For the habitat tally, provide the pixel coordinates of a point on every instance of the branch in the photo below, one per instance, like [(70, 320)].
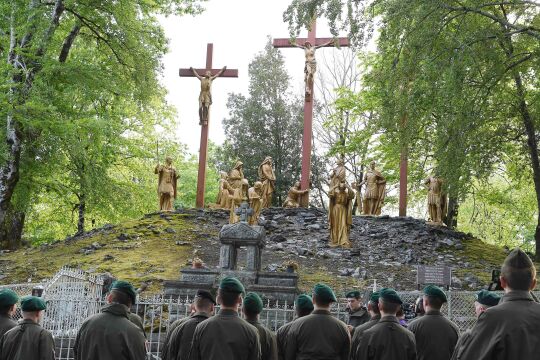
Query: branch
[(68, 42)]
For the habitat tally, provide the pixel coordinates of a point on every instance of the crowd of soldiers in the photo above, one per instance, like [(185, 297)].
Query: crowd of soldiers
[(507, 327)]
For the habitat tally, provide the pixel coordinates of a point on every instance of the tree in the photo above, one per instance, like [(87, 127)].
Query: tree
[(39, 40), (266, 122)]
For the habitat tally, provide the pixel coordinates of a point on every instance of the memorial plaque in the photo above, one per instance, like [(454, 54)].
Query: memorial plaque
[(433, 275)]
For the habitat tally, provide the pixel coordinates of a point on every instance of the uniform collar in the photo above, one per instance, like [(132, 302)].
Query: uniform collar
[(376, 317), (201, 314), (517, 295), (227, 312), (389, 318), (116, 309), (321, 312), (434, 312), (361, 311), (24, 322), (253, 322)]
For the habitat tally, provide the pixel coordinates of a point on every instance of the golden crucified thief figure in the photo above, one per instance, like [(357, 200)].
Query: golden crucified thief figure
[(205, 97)]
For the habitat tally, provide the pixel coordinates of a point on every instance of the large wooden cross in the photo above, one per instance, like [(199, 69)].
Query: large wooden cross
[(308, 102), (203, 150)]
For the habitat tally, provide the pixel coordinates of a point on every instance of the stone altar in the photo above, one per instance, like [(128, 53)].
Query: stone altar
[(280, 286)]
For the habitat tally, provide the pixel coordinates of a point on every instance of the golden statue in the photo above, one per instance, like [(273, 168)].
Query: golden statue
[(268, 180), (166, 184), (340, 214), (357, 206), (310, 67), (223, 198), (293, 197), (375, 191), (239, 195), (255, 195), (337, 176), (236, 175), (205, 96), (437, 203)]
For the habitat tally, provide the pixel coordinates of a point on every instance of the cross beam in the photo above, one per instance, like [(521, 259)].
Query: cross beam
[(308, 103), (203, 149)]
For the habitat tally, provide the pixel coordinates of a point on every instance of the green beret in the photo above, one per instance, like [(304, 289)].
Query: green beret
[(435, 291), (390, 295), (232, 284), (32, 303), (126, 288), (374, 297), (8, 297), (253, 303), (487, 298), (353, 294), (304, 302), (324, 293)]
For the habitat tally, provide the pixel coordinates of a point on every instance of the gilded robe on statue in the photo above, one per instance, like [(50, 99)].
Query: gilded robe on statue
[(375, 191), (255, 195), (236, 175), (223, 198), (340, 214), (437, 203), (166, 184), (239, 194), (268, 180)]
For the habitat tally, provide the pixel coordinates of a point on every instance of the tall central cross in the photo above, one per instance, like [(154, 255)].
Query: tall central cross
[(308, 102), (203, 149)]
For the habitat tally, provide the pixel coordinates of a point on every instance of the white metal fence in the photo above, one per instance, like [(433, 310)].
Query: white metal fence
[(73, 295)]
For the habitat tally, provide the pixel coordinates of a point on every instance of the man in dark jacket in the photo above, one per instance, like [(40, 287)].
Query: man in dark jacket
[(180, 339), (319, 335), (387, 340), (435, 335), (28, 340), (251, 308), (303, 307), (358, 314), (373, 308), (509, 330), (8, 307), (226, 335), (110, 335)]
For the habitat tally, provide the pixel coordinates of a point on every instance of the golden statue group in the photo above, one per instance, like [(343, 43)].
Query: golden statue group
[(234, 189)]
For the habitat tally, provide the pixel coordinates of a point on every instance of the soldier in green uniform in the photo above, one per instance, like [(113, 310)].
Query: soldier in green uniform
[(182, 336), (484, 300), (358, 314), (110, 334), (387, 339), (510, 330), (226, 335), (435, 335), (172, 327), (319, 335), (373, 308), (304, 307), (251, 308), (8, 306), (28, 340)]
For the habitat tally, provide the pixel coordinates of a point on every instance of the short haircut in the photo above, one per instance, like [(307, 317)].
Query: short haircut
[(202, 303), (374, 307), (249, 314), (228, 298), (303, 312), (434, 302), (120, 298), (388, 307), (321, 302), (518, 279), (4, 310)]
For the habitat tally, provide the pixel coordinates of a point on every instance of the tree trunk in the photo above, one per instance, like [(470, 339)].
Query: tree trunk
[(452, 214), (11, 229), (82, 212)]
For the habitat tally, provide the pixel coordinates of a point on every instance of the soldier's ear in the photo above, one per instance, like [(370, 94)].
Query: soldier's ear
[(504, 283), (533, 284)]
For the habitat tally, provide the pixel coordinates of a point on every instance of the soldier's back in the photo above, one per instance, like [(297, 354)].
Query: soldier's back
[(359, 332), (510, 330), (267, 340), (182, 336), (27, 341), (318, 336), (6, 324), (435, 336), (386, 340), (225, 336)]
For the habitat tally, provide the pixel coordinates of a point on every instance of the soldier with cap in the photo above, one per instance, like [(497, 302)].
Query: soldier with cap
[(435, 335), (509, 330), (242, 338), (304, 307), (358, 314), (8, 307), (387, 339), (373, 308), (180, 339), (251, 308), (110, 334), (484, 300), (28, 340), (319, 335), (172, 327)]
